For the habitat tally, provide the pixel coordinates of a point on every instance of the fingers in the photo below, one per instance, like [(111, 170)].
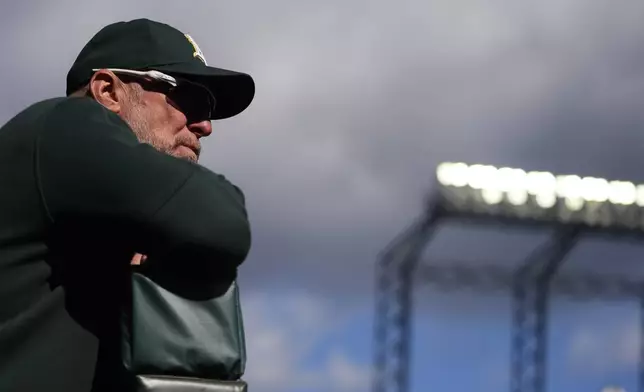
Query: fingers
[(138, 259)]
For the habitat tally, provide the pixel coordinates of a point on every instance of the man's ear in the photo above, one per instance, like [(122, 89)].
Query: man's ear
[(107, 89)]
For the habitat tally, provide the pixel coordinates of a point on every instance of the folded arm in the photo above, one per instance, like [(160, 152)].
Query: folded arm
[(91, 166)]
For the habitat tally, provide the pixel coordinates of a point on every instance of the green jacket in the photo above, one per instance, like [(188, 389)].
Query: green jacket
[(78, 196)]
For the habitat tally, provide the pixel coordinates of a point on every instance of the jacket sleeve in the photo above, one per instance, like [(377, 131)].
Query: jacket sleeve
[(91, 166)]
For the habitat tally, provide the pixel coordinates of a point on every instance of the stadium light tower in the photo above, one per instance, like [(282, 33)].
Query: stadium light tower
[(476, 193)]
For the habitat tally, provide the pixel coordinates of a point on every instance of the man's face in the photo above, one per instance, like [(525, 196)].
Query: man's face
[(161, 121)]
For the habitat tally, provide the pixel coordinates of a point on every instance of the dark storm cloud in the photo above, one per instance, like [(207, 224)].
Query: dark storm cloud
[(358, 101)]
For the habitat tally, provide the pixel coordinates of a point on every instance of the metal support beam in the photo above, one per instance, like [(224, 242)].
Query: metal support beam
[(640, 365), (383, 288), (394, 282), (530, 312), (403, 321), (490, 278)]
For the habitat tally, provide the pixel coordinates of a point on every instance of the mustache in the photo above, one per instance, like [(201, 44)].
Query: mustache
[(190, 142)]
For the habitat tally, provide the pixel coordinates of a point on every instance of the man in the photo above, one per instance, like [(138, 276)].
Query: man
[(93, 178)]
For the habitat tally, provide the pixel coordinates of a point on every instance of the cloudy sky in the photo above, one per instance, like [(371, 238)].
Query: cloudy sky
[(356, 103)]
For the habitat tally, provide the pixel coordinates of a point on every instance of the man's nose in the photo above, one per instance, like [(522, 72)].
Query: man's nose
[(201, 128)]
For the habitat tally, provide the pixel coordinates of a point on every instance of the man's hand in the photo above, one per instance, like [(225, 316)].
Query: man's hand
[(138, 259)]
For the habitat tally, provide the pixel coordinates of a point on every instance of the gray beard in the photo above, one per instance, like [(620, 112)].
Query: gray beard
[(137, 121)]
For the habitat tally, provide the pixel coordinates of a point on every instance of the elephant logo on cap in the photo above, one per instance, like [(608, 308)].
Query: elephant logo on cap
[(197, 53)]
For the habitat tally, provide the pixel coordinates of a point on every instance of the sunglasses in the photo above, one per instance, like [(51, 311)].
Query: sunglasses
[(193, 99)]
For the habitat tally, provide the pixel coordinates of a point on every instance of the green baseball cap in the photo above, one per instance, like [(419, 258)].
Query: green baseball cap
[(145, 45)]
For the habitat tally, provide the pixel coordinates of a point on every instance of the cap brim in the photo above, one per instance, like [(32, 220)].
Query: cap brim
[(234, 91)]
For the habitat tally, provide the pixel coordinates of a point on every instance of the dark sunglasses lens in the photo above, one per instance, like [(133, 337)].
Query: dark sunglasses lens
[(195, 101)]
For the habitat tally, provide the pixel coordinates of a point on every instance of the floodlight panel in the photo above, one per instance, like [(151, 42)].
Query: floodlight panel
[(541, 196)]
